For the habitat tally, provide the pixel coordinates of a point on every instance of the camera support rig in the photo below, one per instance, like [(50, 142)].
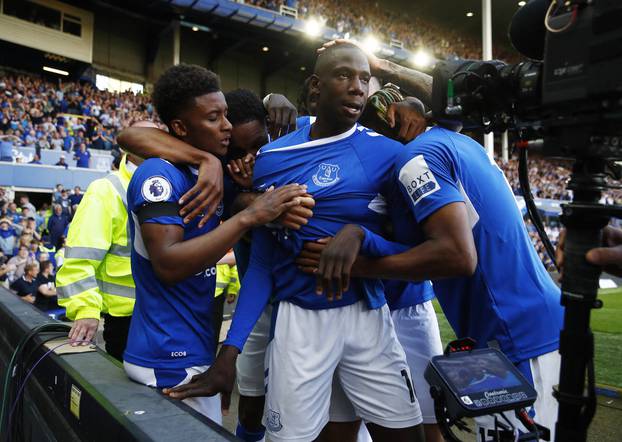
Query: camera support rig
[(584, 219)]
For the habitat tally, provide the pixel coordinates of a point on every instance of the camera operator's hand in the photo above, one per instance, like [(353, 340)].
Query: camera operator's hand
[(610, 256), (409, 115)]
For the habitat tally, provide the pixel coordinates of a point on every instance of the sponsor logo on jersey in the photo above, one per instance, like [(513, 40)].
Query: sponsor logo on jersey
[(156, 189), (326, 175), (207, 273), (273, 421), (418, 179)]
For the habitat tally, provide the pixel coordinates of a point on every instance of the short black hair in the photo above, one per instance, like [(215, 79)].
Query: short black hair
[(329, 55), (244, 106), (178, 86)]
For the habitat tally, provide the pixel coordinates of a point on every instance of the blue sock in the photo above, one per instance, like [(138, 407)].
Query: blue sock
[(249, 436)]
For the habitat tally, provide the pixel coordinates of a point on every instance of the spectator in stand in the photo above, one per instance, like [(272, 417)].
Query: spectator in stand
[(68, 142), (64, 202), (19, 261), (6, 147), (24, 202), (45, 294), (31, 227), (12, 213), (25, 286), (97, 140), (56, 142), (35, 160), (83, 157), (61, 162), (42, 143), (8, 237), (57, 190), (41, 218), (5, 269), (57, 223), (59, 256), (75, 198)]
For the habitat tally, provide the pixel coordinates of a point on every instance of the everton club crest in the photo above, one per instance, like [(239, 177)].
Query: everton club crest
[(326, 175)]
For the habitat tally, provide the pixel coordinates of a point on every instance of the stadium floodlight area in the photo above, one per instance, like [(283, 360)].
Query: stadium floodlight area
[(274, 21), (422, 59)]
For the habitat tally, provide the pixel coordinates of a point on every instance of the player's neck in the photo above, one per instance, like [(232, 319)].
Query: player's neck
[(325, 127)]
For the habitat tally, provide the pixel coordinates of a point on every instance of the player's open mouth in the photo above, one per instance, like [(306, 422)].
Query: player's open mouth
[(225, 141), (353, 109)]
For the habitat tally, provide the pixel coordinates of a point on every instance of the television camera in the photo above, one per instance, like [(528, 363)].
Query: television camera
[(566, 104)]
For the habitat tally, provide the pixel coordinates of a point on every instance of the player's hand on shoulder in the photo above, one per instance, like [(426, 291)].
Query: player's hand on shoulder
[(205, 196), (409, 115), (281, 115), (218, 378), (241, 170), (271, 204), (298, 216)]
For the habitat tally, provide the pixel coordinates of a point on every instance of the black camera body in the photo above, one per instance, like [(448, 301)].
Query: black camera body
[(572, 99)]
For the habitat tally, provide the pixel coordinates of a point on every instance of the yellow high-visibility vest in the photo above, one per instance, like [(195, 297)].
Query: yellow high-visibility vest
[(96, 276), (227, 281)]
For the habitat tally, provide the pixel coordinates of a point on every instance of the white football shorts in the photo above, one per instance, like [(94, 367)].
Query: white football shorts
[(356, 346), (417, 330), (207, 406)]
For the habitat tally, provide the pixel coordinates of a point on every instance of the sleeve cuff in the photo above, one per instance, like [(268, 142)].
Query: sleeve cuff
[(233, 343), (88, 313), (375, 245)]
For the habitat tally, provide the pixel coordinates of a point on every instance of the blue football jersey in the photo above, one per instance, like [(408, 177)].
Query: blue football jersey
[(510, 300), (402, 294), (399, 294), (345, 174), (305, 120), (172, 324)]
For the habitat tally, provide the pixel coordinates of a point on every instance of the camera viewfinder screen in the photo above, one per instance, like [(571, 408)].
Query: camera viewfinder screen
[(478, 373)]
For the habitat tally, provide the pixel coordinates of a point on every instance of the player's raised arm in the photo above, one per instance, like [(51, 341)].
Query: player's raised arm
[(165, 242)]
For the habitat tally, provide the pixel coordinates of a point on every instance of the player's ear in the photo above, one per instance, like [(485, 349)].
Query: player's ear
[(179, 128), (314, 84)]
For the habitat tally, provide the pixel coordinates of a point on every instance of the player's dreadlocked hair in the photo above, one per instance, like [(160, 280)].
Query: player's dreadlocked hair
[(178, 86), (244, 106)]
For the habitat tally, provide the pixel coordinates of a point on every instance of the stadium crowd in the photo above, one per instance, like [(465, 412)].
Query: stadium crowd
[(411, 31), (32, 244), (69, 116), (75, 117)]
